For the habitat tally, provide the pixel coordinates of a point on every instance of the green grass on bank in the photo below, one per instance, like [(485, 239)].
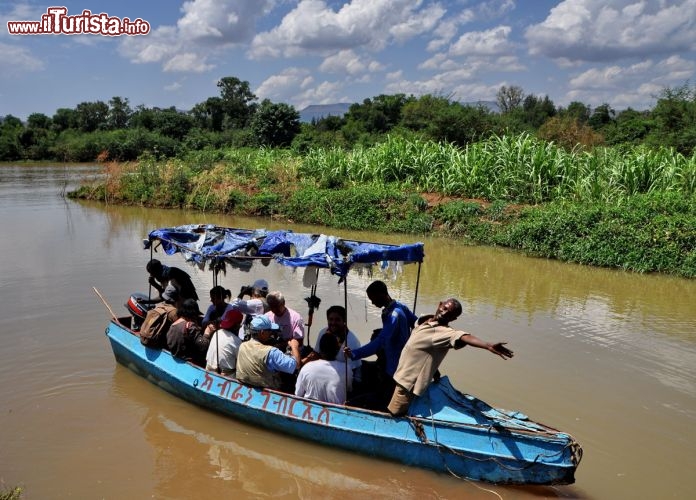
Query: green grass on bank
[(632, 210), (11, 493)]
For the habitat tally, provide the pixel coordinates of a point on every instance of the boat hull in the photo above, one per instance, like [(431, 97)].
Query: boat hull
[(476, 442)]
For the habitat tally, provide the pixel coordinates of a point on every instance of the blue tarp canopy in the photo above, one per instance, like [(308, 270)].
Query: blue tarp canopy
[(213, 244)]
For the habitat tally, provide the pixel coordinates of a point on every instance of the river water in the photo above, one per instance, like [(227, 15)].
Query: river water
[(607, 356)]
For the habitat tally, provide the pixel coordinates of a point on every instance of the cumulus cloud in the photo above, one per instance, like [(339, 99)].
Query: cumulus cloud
[(298, 86), (634, 85), (600, 30), (446, 30), (449, 84), (348, 62), (205, 28), (493, 9), (173, 87), (188, 62), (484, 43), (15, 60), (278, 85), (474, 64), (314, 28)]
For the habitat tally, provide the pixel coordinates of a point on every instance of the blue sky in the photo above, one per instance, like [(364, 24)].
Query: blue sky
[(620, 52)]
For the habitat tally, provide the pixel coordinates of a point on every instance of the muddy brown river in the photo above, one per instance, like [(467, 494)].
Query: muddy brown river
[(607, 356)]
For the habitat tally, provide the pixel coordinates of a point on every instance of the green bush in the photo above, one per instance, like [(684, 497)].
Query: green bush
[(263, 203), (644, 233)]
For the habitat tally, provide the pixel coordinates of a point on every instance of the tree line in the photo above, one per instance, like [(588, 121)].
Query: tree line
[(235, 118)]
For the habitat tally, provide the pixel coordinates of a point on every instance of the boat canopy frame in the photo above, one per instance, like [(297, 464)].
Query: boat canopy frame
[(214, 245), (217, 247)]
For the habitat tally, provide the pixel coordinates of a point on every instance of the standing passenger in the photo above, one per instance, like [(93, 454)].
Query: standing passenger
[(397, 321), (161, 276), (428, 345)]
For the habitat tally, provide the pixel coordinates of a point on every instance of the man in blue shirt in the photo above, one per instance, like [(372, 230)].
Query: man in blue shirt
[(397, 322)]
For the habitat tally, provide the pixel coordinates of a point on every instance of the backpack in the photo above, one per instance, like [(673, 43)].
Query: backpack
[(153, 332)]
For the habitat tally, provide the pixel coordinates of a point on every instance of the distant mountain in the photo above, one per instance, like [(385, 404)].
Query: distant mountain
[(317, 111), (491, 105)]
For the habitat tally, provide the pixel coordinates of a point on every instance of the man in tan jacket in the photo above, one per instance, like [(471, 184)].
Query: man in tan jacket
[(427, 347)]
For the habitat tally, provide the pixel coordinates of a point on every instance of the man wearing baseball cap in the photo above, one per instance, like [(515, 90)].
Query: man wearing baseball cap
[(259, 363), (224, 344)]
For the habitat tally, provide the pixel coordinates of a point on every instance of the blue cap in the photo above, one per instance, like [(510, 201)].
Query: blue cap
[(261, 285), (260, 323)]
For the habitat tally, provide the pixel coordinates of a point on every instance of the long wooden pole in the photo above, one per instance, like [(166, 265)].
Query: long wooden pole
[(113, 314)]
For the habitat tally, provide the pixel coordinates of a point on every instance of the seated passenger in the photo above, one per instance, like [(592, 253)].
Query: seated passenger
[(290, 321), (256, 305), (337, 321), (325, 378), (258, 290), (185, 339), (153, 332), (224, 344), (218, 304), (259, 363)]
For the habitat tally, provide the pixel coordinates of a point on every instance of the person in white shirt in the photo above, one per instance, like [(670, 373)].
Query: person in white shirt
[(325, 379), (224, 344), (337, 323), (256, 305)]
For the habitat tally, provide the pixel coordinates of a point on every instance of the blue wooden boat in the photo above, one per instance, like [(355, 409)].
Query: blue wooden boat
[(445, 430)]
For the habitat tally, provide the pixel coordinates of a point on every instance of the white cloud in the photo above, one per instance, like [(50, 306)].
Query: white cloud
[(187, 62), (324, 93), (449, 84), (206, 28), (493, 9), (483, 43), (601, 30), (314, 28), (474, 64), (173, 87), (220, 21), (348, 62), (15, 60), (447, 29), (394, 76), (288, 81), (297, 86), (634, 85)]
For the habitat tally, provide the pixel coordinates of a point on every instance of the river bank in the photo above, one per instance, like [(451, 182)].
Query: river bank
[(651, 232)]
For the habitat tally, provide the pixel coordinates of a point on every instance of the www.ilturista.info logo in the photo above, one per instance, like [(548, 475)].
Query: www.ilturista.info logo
[(56, 21)]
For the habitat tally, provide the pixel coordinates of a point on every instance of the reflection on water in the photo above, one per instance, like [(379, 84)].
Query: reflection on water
[(607, 356)]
